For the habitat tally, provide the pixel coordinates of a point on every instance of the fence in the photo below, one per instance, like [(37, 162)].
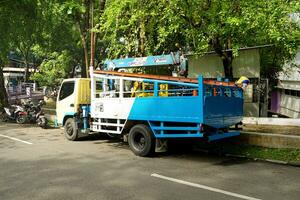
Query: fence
[(23, 91)]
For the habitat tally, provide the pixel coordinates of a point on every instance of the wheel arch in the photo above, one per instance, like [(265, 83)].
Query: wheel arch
[(66, 117), (131, 123)]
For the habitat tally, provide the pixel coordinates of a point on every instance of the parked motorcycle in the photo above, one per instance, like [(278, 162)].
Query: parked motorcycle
[(35, 114), (13, 113), (41, 120)]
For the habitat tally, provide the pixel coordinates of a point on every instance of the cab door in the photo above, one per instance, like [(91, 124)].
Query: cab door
[(65, 104)]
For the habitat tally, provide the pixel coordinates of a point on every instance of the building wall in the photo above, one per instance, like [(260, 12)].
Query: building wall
[(290, 105), (211, 66), (289, 89), (246, 64)]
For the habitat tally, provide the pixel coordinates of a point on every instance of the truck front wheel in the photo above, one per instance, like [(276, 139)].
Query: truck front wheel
[(141, 140), (70, 130)]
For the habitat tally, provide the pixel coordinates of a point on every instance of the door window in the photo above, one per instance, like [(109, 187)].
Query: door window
[(66, 89)]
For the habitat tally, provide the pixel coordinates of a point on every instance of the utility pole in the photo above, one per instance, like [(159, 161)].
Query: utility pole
[(92, 37)]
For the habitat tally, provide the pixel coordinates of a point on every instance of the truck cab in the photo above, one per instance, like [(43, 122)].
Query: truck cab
[(73, 93)]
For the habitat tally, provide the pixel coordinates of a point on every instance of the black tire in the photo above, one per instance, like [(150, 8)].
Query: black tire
[(3, 117), (141, 140), (21, 119), (70, 130), (42, 122)]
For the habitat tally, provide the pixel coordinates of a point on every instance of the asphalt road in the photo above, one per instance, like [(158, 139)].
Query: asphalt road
[(42, 164)]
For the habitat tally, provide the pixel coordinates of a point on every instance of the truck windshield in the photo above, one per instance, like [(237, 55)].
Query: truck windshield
[(66, 89)]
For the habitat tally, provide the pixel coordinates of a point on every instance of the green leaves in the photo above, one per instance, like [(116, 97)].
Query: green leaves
[(53, 69), (146, 27), (73, 7), (199, 26)]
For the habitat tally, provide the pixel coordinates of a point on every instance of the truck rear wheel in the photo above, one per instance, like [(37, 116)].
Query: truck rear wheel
[(70, 130), (141, 140)]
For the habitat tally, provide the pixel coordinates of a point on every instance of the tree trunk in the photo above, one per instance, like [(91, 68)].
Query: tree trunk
[(227, 64), (226, 56), (25, 50), (3, 94), (102, 6), (86, 57), (26, 71), (92, 37), (142, 38), (85, 50), (83, 25)]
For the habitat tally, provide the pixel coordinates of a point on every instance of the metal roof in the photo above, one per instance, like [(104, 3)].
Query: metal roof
[(240, 49)]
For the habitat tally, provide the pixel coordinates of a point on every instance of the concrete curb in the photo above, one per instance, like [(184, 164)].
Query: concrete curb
[(270, 140), (271, 121)]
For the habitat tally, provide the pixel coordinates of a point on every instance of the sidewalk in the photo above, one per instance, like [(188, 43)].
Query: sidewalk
[(276, 129), (271, 121), (271, 132), (270, 140)]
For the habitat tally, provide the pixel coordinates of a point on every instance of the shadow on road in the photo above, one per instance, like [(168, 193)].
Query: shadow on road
[(179, 149), (190, 150)]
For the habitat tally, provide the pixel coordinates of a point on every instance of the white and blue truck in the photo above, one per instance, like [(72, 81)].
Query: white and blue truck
[(147, 110)]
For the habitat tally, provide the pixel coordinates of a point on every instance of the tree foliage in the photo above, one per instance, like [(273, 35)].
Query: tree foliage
[(135, 27), (56, 34), (83, 13), (37, 30), (24, 29), (53, 69)]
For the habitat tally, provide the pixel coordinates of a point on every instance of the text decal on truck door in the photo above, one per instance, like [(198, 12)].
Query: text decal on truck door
[(99, 107)]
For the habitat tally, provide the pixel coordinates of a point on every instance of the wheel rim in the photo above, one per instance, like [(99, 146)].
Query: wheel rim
[(21, 119), (69, 129), (139, 141)]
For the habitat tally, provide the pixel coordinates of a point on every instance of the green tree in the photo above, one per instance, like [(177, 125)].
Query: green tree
[(65, 36), (59, 41), (82, 13), (25, 29), (135, 27), (233, 24), (53, 69), (5, 15), (36, 28), (138, 28)]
